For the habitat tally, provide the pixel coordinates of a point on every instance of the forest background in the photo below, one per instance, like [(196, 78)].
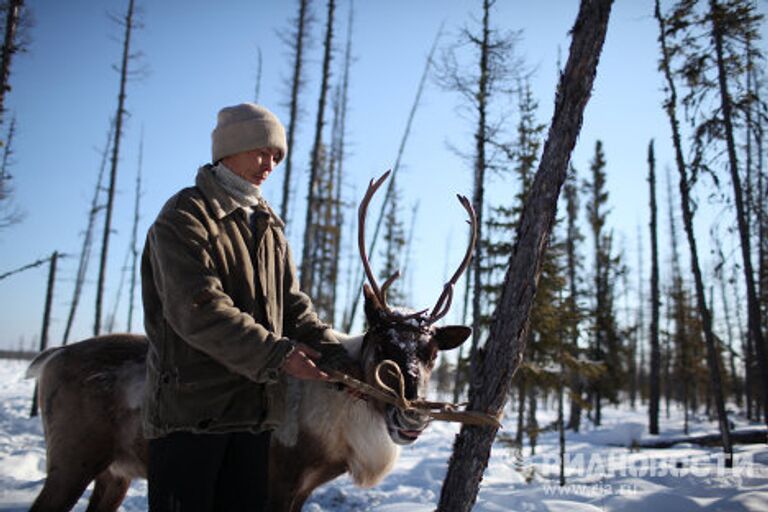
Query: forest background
[(191, 58)]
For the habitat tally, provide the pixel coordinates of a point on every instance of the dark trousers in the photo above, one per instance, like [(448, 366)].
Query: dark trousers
[(208, 472)]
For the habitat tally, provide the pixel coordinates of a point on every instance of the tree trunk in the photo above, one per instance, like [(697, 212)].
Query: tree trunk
[(113, 169), (508, 332), (674, 293), (572, 207), (46, 320), (753, 306), (655, 395), (293, 116), (737, 384), (706, 319), (135, 237)]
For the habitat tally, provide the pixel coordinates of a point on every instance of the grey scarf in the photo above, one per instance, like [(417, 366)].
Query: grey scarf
[(242, 191)]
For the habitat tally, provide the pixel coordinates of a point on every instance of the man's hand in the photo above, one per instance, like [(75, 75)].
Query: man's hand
[(301, 364)]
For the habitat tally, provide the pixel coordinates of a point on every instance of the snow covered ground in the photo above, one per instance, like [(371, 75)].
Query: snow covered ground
[(602, 473)]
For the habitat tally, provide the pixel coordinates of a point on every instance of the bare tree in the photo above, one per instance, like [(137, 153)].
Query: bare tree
[(129, 23), (10, 213), (297, 44), (315, 160), (655, 377), (506, 343), (134, 247), (85, 250)]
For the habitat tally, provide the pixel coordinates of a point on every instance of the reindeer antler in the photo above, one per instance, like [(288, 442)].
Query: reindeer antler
[(444, 302), (362, 211)]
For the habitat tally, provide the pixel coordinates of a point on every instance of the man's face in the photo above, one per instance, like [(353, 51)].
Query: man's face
[(253, 166)]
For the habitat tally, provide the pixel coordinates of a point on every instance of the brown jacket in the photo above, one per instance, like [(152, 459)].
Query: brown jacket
[(221, 301)]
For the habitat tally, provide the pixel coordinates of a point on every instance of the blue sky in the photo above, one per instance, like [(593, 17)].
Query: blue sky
[(201, 55)]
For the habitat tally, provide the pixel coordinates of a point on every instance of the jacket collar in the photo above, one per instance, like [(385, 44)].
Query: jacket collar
[(222, 203)]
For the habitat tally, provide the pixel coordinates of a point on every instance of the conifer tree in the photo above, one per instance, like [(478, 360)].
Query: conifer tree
[(606, 344), (730, 21), (705, 317), (573, 240)]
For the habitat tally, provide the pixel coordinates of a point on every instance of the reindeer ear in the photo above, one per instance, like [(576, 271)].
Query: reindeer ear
[(372, 305), (451, 336)]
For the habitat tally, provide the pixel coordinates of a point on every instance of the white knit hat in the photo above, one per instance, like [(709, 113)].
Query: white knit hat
[(246, 127)]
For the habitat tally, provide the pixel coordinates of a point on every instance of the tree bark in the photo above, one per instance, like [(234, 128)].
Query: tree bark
[(706, 319), (655, 384), (506, 343)]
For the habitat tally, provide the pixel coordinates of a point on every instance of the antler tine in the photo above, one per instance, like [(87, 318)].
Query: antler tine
[(444, 302), (362, 211), (388, 283)]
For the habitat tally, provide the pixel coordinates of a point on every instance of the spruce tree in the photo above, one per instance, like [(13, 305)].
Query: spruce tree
[(606, 344)]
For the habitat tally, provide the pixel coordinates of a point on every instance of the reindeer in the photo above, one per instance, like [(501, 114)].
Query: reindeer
[(91, 392)]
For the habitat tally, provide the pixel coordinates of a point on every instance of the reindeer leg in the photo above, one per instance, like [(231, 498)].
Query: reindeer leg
[(60, 491), (108, 492)]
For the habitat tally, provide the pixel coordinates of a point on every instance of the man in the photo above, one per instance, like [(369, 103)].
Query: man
[(224, 316)]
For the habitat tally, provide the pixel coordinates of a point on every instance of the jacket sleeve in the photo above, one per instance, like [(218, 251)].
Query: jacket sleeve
[(197, 308), (300, 321)]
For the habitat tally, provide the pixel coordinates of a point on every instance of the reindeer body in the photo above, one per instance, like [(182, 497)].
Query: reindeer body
[(90, 396)]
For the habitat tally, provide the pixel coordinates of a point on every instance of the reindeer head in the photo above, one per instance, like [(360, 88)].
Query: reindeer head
[(408, 339)]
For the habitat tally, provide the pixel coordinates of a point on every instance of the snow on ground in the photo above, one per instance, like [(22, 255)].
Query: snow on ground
[(602, 472)]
